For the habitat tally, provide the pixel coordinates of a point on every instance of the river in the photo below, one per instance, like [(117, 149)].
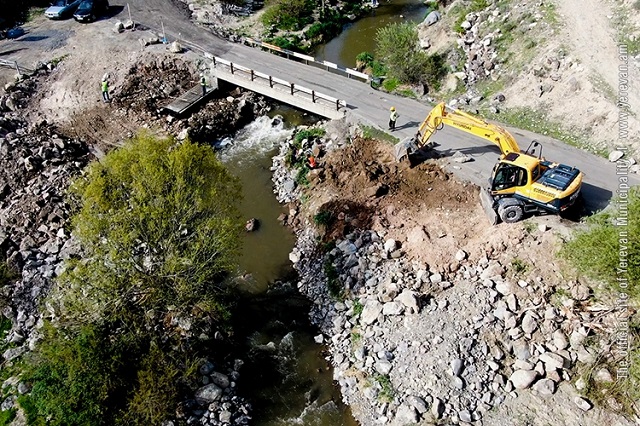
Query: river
[(359, 36), (285, 374)]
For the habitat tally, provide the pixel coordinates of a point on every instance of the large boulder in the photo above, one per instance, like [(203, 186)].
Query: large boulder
[(208, 394), (522, 379)]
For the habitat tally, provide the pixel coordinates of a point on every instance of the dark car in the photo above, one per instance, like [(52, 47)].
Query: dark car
[(89, 10), (61, 9)]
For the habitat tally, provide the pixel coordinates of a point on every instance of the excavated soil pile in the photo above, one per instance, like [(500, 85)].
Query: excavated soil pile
[(429, 213), (149, 86), (366, 172)]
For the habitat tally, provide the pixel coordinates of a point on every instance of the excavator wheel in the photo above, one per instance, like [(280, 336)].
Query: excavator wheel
[(511, 214)]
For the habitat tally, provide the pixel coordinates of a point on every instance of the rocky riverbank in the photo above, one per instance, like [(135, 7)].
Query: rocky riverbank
[(38, 160), (415, 342)]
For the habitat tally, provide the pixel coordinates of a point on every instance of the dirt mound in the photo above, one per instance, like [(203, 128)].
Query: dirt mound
[(367, 172), (430, 213), (149, 85)]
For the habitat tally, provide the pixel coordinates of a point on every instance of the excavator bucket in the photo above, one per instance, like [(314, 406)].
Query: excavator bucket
[(404, 148), (487, 202)]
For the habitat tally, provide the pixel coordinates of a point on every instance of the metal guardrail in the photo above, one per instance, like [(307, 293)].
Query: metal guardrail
[(292, 88), (310, 59), (14, 64)]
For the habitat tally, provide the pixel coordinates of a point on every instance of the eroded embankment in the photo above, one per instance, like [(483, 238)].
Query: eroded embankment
[(429, 313)]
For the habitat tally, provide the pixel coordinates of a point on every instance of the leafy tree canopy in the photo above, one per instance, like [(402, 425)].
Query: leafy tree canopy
[(159, 225), (398, 47)]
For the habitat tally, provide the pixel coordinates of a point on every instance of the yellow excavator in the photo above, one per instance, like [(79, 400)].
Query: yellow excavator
[(521, 182)]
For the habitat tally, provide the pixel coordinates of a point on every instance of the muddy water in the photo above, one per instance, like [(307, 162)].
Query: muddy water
[(359, 36), (285, 374)]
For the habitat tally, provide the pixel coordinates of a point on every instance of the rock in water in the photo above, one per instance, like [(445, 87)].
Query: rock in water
[(252, 225)]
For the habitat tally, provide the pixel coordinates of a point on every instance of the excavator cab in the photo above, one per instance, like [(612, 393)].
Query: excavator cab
[(507, 176)]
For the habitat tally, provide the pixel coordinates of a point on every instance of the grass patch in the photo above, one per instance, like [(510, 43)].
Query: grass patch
[(355, 337), (627, 33), (32, 14), (357, 308), (529, 227), (57, 60), (519, 266), (536, 121), (603, 87), (7, 416), (386, 392), (407, 93), (301, 177), (370, 132), (309, 134), (597, 250), (608, 250), (333, 280), (550, 14), (489, 88)]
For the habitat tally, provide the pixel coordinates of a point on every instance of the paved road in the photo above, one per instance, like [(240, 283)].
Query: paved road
[(372, 107)]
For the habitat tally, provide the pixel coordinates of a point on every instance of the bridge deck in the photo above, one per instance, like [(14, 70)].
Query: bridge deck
[(187, 100)]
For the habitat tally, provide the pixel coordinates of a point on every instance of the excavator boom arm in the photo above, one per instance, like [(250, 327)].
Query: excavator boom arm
[(439, 116)]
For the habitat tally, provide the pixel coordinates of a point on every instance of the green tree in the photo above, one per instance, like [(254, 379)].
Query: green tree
[(398, 47), (159, 226), (288, 14)]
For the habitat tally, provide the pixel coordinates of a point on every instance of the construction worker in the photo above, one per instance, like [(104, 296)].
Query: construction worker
[(203, 84), (105, 90), (392, 118)]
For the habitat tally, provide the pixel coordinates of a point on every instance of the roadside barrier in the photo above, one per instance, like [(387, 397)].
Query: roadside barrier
[(310, 60)]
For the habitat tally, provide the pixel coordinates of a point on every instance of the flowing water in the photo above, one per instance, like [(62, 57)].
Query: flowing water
[(285, 374), (359, 36)]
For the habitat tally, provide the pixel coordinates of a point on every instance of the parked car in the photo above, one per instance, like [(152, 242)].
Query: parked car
[(62, 9), (89, 10)]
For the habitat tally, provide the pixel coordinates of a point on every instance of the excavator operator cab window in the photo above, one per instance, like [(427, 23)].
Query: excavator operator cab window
[(508, 176)]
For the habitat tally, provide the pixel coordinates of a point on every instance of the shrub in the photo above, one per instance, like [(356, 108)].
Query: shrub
[(398, 48), (160, 223), (334, 286), (288, 14), (291, 42), (316, 132), (364, 58), (390, 84), (75, 377), (324, 218)]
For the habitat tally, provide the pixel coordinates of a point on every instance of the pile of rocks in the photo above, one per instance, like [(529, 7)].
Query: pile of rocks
[(410, 344), (215, 402), (481, 57), (449, 346), (36, 167)]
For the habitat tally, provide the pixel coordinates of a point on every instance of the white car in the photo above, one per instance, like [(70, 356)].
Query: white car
[(62, 9)]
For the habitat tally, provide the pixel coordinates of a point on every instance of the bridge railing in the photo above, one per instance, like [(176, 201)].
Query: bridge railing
[(275, 83), (14, 64), (311, 60)]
